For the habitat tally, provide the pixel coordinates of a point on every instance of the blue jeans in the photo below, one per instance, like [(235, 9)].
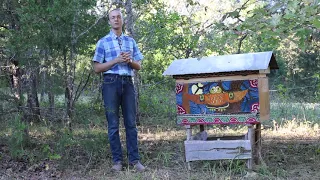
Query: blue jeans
[(119, 91)]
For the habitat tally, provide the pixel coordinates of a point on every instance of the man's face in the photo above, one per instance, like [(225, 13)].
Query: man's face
[(115, 19)]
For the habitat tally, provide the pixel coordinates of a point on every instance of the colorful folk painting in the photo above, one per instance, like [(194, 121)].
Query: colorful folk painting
[(225, 97)]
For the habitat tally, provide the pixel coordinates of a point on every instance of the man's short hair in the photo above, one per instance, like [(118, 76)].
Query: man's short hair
[(116, 9)]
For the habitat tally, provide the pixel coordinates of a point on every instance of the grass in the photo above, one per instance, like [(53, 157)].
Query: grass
[(288, 153), (290, 142)]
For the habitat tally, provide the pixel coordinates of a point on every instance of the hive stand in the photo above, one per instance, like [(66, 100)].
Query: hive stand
[(247, 146)]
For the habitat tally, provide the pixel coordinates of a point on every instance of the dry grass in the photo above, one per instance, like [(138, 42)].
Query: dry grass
[(291, 150)]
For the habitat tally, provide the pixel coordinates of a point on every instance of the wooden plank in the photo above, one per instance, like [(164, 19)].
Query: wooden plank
[(217, 145), (241, 137), (264, 102), (265, 71), (224, 78), (216, 155)]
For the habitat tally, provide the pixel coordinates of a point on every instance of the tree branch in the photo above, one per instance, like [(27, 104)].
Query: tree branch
[(87, 30), (78, 93), (240, 43)]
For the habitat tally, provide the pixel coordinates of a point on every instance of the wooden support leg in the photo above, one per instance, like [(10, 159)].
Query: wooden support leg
[(188, 131), (189, 166), (189, 134), (201, 128), (257, 152), (252, 141)]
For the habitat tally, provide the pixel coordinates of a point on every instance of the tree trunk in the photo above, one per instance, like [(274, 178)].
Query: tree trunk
[(33, 109), (44, 75), (16, 82), (50, 94), (51, 99), (16, 72), (71, 71), (43, 89), (130, 32), (68, 91)]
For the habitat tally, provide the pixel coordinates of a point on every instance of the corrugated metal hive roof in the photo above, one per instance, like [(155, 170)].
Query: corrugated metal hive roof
[(225, 63)]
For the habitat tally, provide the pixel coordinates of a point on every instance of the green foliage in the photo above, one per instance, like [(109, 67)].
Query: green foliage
[(64, 140), (48, 152), (90, 112), (157, 101), (165, 158), (18, 139)]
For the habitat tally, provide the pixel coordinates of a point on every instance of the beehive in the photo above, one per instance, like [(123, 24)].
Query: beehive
[(229, 89)]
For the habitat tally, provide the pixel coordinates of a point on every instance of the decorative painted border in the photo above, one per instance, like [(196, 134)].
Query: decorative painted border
[(217, 119)]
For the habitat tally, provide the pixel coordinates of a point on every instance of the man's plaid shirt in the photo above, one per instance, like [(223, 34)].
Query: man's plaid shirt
[(109, 47)]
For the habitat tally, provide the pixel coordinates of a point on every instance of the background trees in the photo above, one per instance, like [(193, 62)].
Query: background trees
[(47, 47)]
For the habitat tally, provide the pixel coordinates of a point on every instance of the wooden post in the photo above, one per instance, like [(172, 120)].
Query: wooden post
[(201, 128), (257, 148), (264, 101), (189, 134), (251, 137)]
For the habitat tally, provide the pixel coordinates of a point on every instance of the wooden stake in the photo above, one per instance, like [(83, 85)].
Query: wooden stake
[(257, 149)]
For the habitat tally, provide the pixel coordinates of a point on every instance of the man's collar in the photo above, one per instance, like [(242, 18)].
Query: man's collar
[(114, 36)]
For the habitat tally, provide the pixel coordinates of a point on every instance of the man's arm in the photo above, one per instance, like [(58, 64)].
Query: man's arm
[(137, 57), (102, 67), (135, 65)]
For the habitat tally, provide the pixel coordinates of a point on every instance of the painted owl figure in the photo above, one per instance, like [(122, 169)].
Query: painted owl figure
[(215, 90)]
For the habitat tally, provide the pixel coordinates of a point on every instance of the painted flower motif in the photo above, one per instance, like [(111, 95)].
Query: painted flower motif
[(217, 120), (255, 108), (185, 121), (254, 83), (179, 88), (251, 120), (181, 110), (233, 119), (201, 120)]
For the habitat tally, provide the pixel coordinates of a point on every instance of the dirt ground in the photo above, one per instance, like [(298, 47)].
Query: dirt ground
[(291, 158)]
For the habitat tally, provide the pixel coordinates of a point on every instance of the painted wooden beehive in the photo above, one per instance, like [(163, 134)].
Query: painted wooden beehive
[(225, 89)]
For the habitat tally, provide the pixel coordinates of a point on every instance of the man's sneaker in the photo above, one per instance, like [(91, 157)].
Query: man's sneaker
[(139, 167), (117, 167)]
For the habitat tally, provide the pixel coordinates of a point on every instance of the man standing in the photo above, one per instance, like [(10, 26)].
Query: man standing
[(117, 55)]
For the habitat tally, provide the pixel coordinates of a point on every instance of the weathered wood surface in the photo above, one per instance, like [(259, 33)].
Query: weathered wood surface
[(251, 139), (264, 102), (217, 150)]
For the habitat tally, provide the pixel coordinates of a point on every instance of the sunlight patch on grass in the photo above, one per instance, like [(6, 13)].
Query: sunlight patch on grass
[(86, 131), (6, 132), (161, 134), (40, 132), (294, 129)]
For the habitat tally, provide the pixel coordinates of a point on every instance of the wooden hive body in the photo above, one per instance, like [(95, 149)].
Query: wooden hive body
[(223, 89)]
